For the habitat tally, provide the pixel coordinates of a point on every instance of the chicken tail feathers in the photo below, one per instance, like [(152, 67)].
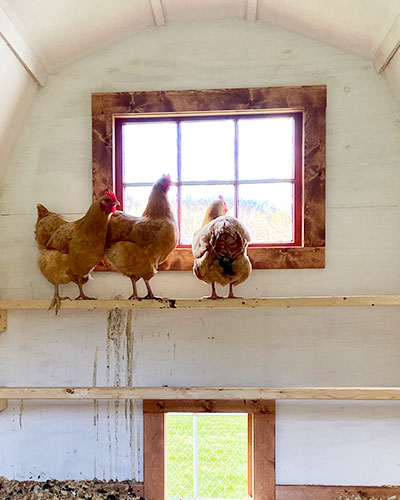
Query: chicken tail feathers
[(227, 265), (42, 211)]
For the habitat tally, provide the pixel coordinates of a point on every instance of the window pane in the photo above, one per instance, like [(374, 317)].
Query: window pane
[(135, 199), (150, 150), (266, 148), (266, 210), (208, 150), (195, 201)]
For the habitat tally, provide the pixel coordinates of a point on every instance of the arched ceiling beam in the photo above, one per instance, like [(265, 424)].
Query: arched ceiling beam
[(21, 50), (388, 48), (158, 12), (251, 10)]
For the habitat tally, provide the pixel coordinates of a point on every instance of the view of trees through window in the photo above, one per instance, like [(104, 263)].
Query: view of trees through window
[(249, 160)]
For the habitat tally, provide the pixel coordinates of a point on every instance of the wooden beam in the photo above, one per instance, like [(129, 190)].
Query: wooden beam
[(158, 12), (21, 50), (251, 10), (208, 406), (154, 456), (3, 404), (297, 492), (243, 303), (263, 480), (217, 393), (388, 48), (3, 321)]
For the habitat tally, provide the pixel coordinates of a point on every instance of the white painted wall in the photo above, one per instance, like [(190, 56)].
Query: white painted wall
[(392, 73), (316, 443), (16, 93)]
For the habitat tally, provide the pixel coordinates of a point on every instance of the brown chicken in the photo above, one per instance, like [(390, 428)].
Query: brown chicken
[(69, 250), (137, 245), (220, 249)]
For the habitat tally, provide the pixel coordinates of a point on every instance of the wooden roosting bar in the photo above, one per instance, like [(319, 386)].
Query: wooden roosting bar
[(243, 303)]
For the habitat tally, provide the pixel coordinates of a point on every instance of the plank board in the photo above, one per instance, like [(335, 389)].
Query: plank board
[(333, 301), (214, 393)]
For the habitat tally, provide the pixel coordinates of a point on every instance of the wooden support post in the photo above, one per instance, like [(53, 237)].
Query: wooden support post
[(154, 461), (3, 404), (3, 320), (263, 459)]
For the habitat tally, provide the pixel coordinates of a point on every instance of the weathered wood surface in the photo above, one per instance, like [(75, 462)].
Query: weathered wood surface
[(310, 100), (3, 321), (263, 484), (217, 393), (3, 404), (154, 456), (295, 492), (208, 406), (243, 303)]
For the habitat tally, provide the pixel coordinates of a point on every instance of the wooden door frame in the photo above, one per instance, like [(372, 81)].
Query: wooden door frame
[(261, 441)]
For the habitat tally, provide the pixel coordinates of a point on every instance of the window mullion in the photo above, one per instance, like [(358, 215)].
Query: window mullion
[(179, 166), (236, 166)]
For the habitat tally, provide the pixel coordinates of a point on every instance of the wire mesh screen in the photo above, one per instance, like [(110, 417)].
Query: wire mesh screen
[(206, 456)]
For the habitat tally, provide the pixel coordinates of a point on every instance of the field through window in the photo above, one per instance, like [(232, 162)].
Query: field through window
[(207, 456), (250, 160)]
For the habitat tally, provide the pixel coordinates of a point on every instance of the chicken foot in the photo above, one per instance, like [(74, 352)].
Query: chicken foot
[(213, 295), (150, 294), (56, 302), (231, 294), (82, 295)]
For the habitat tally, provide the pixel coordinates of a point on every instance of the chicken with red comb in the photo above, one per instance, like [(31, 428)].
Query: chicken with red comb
[(137, 245), (70, 250)]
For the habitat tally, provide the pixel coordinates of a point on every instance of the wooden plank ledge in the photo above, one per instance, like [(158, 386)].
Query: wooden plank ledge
[(321, 301), (3, 404), (209, 393)]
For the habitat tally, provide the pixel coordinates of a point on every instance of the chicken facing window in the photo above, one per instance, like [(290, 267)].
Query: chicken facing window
[(220, 249), (137, 245), (70, 250)]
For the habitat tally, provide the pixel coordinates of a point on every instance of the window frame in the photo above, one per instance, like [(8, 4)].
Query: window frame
[(310, 101), (261, 441), (297, 170)]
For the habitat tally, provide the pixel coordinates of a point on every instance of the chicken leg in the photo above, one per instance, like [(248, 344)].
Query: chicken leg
[(56, 302), (82, 295), (134, 290), (213, 295)]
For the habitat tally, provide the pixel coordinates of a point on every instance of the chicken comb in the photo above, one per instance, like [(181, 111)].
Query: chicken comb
[(167, 177), (111, 195), (221, 197)]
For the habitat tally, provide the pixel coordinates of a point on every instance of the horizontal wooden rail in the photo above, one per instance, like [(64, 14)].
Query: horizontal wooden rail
[(329, 301), (210, 393)]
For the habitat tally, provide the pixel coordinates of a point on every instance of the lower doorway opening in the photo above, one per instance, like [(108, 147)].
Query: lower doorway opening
[(207, 456)]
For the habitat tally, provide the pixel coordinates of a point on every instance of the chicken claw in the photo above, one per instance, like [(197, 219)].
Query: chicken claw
[(56, 302), (82, 295)]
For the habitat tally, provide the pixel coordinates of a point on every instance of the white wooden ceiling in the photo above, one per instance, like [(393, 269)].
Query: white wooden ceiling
[(61, 31)]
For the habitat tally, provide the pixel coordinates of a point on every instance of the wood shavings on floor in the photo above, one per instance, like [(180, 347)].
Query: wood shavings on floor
[(66, 490)]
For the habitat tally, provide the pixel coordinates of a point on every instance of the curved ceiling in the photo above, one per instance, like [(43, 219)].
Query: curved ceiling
[(62, 31)]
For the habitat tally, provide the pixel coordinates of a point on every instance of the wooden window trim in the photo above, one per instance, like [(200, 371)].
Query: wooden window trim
[(261, 441), (309, 100)]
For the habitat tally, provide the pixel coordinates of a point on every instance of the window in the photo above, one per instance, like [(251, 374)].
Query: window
[(249, 158), (264, 152)]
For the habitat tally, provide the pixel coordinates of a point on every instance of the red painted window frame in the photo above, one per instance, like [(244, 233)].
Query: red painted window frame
[(298, 178)]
